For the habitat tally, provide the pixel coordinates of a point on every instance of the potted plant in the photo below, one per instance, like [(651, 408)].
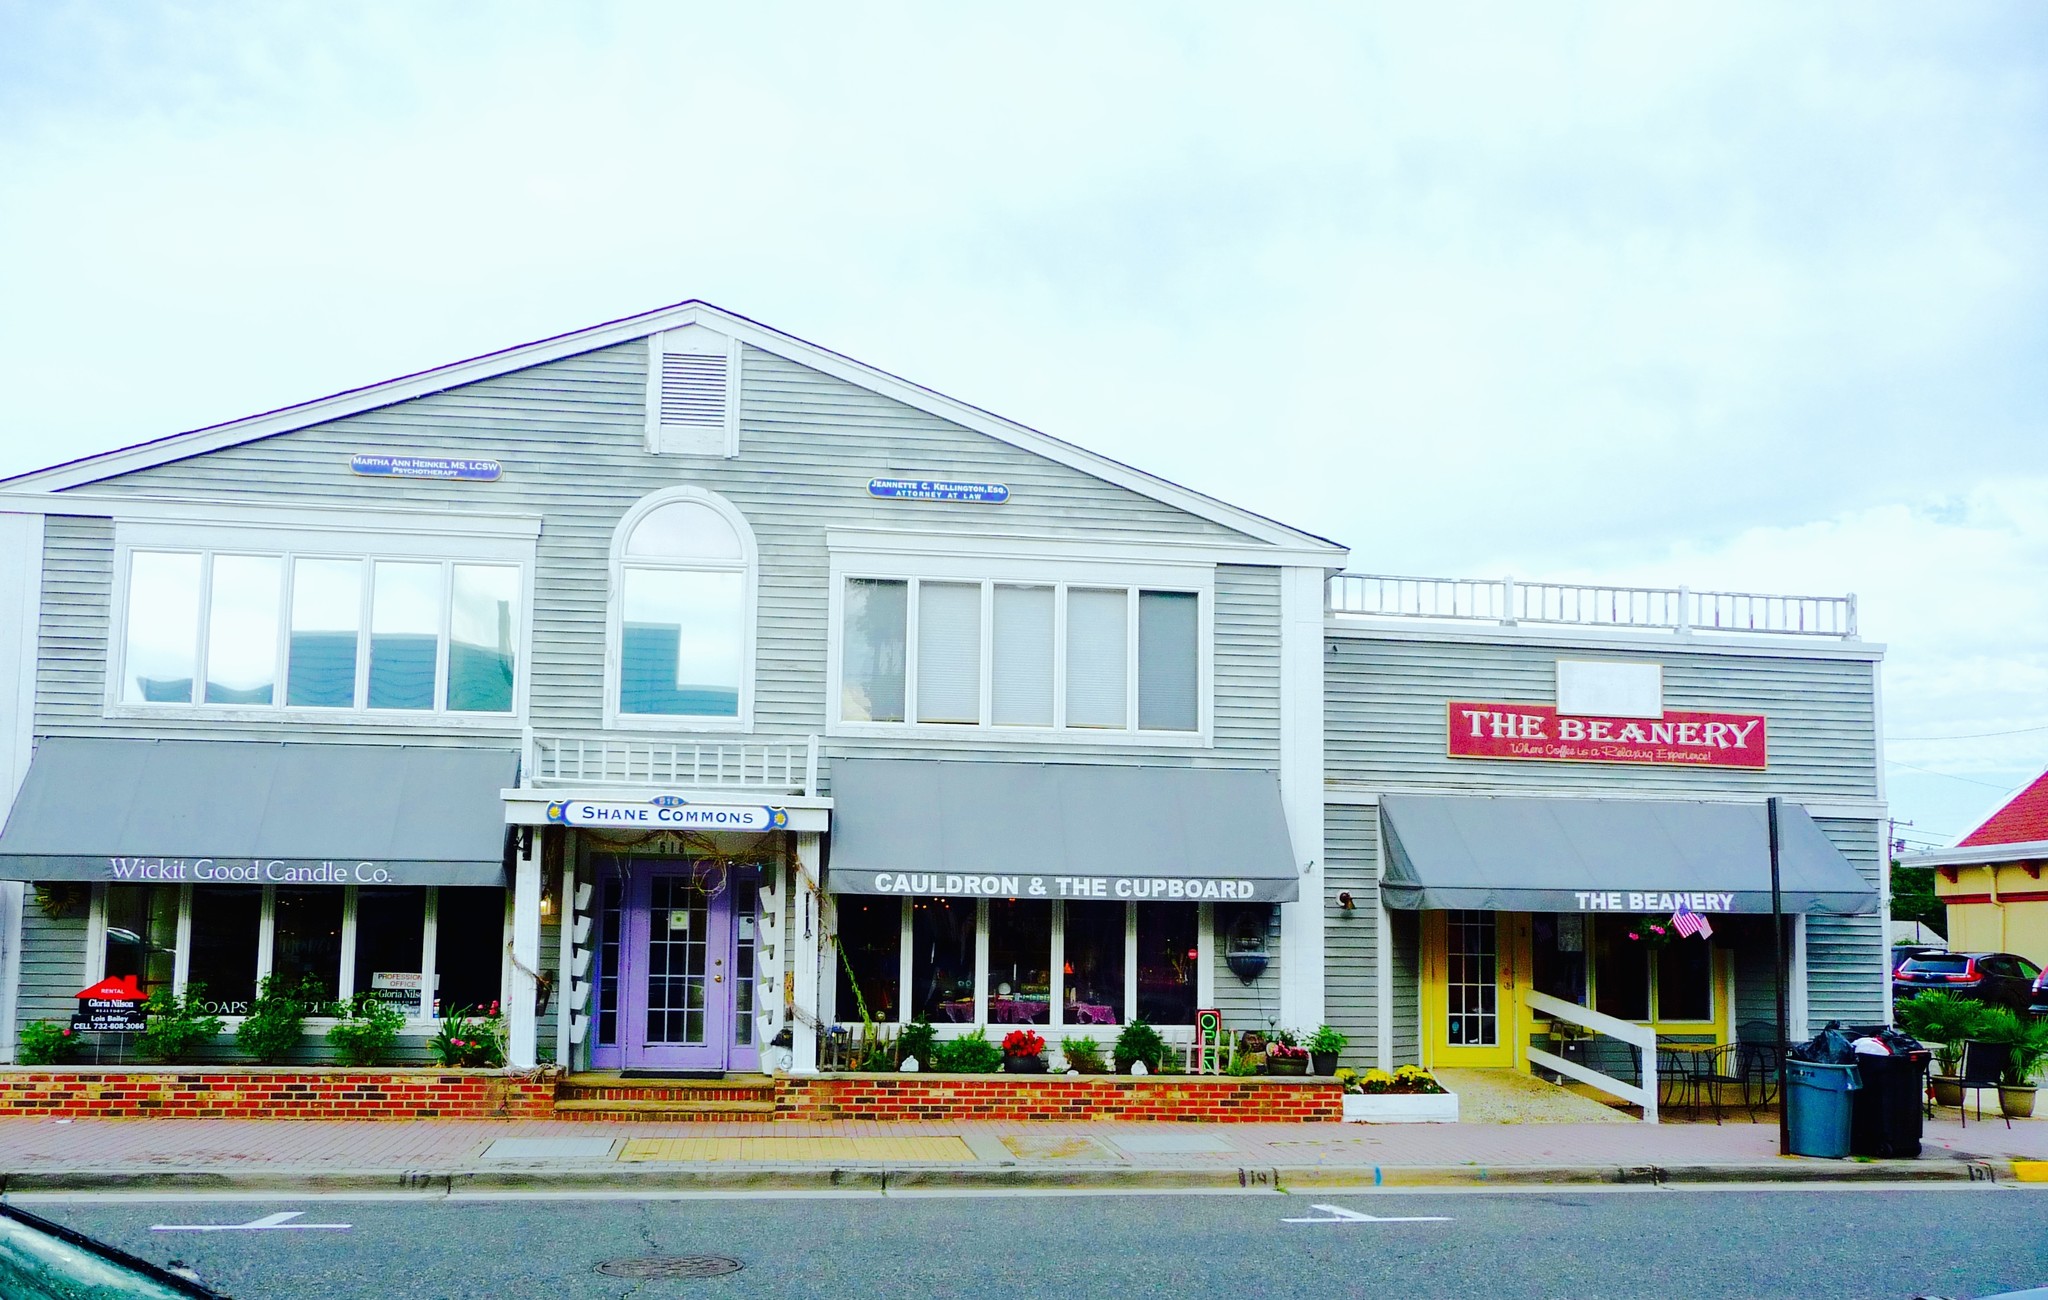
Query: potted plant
[(1083, 1055), (1945, 1022), (1023, 1052), (1324, 1047), (916, 1045), (1286, 1058), (1409, 1095), (2025, 1040), (970, 1053), (1138, 1042)]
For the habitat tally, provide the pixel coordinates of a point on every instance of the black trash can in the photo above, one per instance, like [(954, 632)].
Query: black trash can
[(1885, 1114)]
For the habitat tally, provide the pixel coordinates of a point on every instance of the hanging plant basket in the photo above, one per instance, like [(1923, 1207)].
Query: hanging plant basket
[(59, 899)]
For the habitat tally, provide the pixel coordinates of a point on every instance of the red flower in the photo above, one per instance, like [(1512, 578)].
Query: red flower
[(1022, 1042)]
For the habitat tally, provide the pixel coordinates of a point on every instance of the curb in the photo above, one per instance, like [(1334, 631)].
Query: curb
[(879, 1179)]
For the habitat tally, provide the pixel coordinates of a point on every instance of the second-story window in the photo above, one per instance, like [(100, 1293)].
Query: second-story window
[(683, 630)]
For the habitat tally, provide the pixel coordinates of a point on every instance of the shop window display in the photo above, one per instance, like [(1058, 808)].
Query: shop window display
[(1094, 963), (1019, 978), (942, 959)]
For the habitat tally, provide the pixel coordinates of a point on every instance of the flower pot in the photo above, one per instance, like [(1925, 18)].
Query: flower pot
[(1294, 1065), (2016, 1103), (1033, 1064), (1323, 1063), (1948, 1090)]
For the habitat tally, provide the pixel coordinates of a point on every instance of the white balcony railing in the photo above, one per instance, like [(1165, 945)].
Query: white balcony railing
[(1508, 602), (787, 768)]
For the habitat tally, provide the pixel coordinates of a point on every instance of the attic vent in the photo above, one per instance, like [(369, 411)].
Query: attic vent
[(692, 393)]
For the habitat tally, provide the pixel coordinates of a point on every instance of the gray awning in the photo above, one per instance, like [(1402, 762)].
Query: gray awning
[(251, 812), (1058, 830), (1620, 855)]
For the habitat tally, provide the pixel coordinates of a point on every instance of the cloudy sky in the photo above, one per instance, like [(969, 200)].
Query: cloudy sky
[(1741, 296)]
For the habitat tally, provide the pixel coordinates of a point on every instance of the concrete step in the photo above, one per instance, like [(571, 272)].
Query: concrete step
[(653, 1108), (621, 1094)]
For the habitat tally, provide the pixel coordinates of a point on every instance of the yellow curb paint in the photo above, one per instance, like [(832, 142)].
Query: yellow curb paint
[(798, 1150), (2030, 1171)]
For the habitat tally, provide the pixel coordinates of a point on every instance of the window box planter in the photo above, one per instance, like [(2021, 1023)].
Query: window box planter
[(1401, 1108), (1288, 1065)]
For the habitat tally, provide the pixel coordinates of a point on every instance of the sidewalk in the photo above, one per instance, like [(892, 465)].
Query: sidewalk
[(480, 1155)]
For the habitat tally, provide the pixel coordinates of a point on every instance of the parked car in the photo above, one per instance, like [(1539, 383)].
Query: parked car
[(1999, 978), (1905, 952), (2038, 1004)]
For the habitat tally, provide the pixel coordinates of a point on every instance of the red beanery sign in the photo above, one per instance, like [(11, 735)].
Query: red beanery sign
[(1538, 731)]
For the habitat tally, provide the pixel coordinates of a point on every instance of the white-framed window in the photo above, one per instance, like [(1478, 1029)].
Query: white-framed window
[(1013, 648), (681, 642), (424, 949), (281, 626)]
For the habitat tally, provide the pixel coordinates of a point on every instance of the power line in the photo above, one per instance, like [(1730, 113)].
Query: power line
[(1974, 735), (1893, 762)]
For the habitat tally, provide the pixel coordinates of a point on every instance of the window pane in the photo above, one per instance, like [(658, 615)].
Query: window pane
[(405, 635), (226, 921), (684, 530), (469, 948), (948, 652), (1168, 953), (1019, 961), (327, 623), (1168, 655), (1097, 633), (142, 933), (1685, 984), (871, 937), (682, 644), (163, 628), (1095, 963), (241, 629), (1621, 971), (611, 893), (391, 929), (308, 937), (942, 959), (1022, 686), (871, 667), (483, 629), (1559, 955)]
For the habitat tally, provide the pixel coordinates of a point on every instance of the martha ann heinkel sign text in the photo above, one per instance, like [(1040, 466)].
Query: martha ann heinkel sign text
[(1538, 731)]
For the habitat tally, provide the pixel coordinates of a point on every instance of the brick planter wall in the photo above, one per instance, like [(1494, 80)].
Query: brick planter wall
[(1056, 1097), (214, 1092)]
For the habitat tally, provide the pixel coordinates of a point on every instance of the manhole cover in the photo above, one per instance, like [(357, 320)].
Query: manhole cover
[(670, 1266)]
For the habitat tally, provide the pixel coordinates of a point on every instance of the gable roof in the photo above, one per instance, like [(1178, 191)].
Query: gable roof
[(2022, 820), (91, 469)]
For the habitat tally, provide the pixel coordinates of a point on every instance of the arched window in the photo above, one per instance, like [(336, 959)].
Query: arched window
[(682, 612)]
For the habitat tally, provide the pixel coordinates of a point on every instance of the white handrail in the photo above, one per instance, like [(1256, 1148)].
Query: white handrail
[(1509, 601), (1643, 1040)]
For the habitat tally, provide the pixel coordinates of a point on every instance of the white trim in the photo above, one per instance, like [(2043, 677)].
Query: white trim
[(749, 569), (1983, 855), (1798, 1000), (806, 955), (1884, 893), (303, 515), (21, 592), (1000, 545), (198, 441), (1663, 644), (1836, 809), (1302, 939), (523, 954), (566, 1008)]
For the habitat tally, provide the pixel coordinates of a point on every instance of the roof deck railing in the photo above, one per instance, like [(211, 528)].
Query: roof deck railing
[(1509, 602)]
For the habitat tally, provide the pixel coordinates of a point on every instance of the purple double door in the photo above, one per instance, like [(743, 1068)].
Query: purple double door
[(676, 968)]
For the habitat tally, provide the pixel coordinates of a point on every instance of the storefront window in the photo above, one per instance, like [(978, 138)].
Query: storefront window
[(469, 947), (391, 929), (227, 925), (1094, 957), (872, 661), (942, 959), (1685, 984), (870, 946), (1558, 947), (1019, 961), (1621, 971), (308, 942), (1169, 951), (142, 933)]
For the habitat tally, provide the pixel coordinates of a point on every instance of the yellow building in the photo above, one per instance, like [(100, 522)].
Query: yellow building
[(1992, 881)]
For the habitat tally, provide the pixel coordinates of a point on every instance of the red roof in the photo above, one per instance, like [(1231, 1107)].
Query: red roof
[(2023, 820)]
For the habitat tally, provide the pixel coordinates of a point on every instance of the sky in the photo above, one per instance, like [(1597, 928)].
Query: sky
[(1739, 296)]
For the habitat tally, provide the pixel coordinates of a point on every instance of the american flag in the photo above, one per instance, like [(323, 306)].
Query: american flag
[(1691, 924)]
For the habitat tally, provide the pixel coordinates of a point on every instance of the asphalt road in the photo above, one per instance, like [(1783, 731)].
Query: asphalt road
[(1701, 1245)]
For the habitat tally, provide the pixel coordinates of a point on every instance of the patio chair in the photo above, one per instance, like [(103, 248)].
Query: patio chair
[(1757, 1059), (1983, 1064), (1712, 1070)]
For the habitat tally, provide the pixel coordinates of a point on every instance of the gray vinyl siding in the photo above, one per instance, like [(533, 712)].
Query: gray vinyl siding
[(570, 438), (1846, 975), (1385, 713), (52, 962), (1350, 944), (1255, 1005), (1404, 928)]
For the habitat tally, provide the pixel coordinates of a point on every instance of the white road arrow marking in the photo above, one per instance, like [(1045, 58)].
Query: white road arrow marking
[(282, 1220), (1338, 1214)]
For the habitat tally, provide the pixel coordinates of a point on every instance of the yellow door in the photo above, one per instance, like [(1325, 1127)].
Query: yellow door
[(1469, 1013)]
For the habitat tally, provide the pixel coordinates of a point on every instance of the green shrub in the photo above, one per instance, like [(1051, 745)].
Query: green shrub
[(366, 1035), (971, 1053), (271, 1029), (1943, 1020), (1139, 1042), (1083, 1054), (2025, 1039), (45, 1042), (1245, 1065), (1326, 1039), (918, 1039), (475, 1042), (178, 1025)]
